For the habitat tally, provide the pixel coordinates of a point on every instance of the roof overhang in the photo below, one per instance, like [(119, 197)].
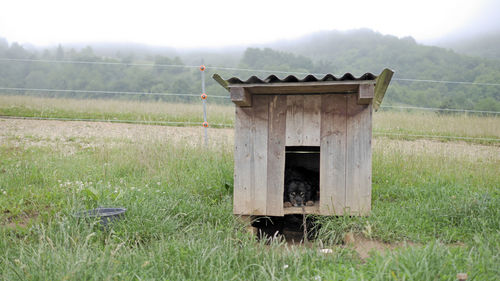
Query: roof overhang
[(369, 87)]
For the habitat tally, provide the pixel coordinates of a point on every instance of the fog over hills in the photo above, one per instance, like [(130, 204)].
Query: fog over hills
[(477, 37), (337, 52)]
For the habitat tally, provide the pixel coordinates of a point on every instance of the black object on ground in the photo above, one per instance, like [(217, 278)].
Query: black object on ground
[(106, 215)]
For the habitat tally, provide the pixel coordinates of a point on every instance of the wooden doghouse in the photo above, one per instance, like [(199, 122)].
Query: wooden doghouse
[(320, 124)]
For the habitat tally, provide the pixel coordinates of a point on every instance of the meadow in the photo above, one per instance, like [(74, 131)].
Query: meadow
[(436, 204), (393, 124)]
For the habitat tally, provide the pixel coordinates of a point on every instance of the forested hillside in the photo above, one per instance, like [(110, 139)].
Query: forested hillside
[(334, 52), (364, 50)]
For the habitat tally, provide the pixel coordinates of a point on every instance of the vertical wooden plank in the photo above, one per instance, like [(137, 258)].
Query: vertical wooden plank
[(259, 159), (243, 153), (359, 157), (312, 120), (276, 155), (333, 154), (294, 119)]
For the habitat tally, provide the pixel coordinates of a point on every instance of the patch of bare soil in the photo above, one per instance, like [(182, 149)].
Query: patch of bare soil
[(21, 220), (290, 229), (84, 134), (72, 135), (364, 246)]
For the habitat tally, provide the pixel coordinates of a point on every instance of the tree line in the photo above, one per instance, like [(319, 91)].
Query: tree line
[(331, 52)]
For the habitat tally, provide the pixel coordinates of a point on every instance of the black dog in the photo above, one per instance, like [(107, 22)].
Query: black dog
[(301, 187)]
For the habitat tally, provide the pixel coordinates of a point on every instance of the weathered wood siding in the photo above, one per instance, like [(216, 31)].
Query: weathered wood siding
[(335, 122), (303, 116), (260, 156), (276, 155), (333, 154), (243, 154), (358, 157)]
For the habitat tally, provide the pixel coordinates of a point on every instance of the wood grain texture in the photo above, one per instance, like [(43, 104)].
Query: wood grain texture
[(243, 154), (359, 157), (276, 155), (259, 160), (294, 120), (333, 154), (310, 210), (312, 120), (250, 158), (381, 85), (292, 88)]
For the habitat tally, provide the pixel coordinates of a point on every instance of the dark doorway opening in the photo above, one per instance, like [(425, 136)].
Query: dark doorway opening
[(301, 188)]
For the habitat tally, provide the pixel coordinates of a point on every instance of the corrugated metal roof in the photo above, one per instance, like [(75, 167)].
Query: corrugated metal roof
[(270, 85), (309, 78)]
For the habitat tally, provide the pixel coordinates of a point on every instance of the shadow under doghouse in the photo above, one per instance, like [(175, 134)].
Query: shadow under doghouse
[(294, 229)]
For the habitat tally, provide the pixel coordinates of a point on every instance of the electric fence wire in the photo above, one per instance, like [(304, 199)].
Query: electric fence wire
[(226, 125), (226, 97), (105, 92), (446, 82), (147, 122), (237, 69), (230, 69), (440, 109), (433, 136), (99, 63)]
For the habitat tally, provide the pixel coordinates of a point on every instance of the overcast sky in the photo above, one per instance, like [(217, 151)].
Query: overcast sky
[(184, 23)]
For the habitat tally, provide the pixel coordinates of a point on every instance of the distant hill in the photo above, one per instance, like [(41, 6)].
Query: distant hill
[(337, 52), (363, 50), (486, 45), (479, 35)]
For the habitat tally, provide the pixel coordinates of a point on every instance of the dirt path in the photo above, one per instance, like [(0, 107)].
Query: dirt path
[(33, 131), (54, 133)]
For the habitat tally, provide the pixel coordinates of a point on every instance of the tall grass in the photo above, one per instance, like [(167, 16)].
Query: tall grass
[(405, 123), (114, 109), (179, 223), (459, 124)]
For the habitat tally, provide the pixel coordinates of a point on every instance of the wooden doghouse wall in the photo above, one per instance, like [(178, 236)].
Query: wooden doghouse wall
[(335, 122)]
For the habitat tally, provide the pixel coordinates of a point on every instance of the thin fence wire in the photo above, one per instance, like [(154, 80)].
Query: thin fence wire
[(148, 122), (263, 70), (434, 136), (184, 123), (227, 97), (440, 109), (104, 92), (446, 82), (99, 63), (237, 69), (226, 125)]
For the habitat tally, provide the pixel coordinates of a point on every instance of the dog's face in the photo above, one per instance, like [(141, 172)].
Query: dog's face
[(298, 193)]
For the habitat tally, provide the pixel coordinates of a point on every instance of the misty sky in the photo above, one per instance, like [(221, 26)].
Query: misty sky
[(184, 23)]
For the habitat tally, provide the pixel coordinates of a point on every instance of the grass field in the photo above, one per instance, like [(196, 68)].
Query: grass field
[(436, 207), (393, 123), (113, 109)]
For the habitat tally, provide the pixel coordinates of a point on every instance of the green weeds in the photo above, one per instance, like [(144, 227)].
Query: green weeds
[(179, 223)]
